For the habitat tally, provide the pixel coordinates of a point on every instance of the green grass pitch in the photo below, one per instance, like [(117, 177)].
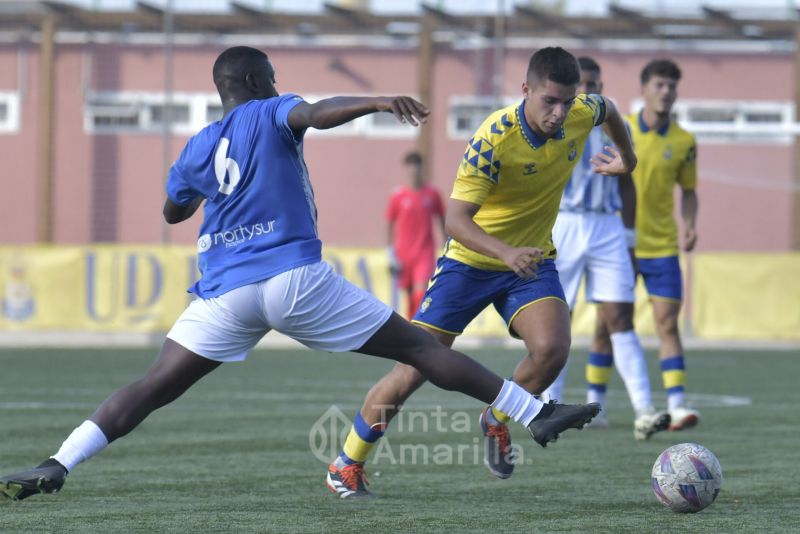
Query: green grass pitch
[(234, 455)]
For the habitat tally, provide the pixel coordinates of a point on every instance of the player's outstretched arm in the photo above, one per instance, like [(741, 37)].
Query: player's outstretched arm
[(614, 126), (332, 112)]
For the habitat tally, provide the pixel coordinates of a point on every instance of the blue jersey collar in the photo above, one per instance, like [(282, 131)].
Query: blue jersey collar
[(645, 128), (527, 132)]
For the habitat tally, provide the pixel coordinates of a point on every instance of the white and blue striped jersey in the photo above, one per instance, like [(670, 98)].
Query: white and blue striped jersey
[(259, 218), (588, 191)]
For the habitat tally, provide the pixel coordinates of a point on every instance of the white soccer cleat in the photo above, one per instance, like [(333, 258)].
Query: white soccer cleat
[(683, 417), (648, 422)]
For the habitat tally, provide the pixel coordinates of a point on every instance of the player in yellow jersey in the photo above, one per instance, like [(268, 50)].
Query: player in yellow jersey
[(500, 216), (667, 158)]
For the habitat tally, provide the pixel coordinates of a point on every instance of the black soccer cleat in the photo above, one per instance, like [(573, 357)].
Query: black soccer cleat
[(556, 418), (47, 477)]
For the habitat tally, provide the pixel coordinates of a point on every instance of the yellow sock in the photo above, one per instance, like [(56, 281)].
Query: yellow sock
[(360, 440), (673, 372), (500, 416), (598, 372)]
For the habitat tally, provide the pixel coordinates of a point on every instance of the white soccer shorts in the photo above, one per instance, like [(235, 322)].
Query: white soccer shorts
[(593, 244), (311, 304)]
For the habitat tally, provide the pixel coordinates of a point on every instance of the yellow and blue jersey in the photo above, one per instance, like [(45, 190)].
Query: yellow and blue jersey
[(517, 178), (667, 157)]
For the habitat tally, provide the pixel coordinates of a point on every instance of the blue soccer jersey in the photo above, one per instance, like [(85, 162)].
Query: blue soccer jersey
[(259, 217)]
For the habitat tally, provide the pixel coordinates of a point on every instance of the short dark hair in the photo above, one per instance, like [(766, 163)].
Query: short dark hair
[(660, 67), (555, 64), (237, 61), (588, 63), (413, 158)]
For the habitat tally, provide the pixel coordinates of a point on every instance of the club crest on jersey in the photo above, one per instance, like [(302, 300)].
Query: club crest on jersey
[(425, 304), (573, 152), (530, 168), (668, 153)]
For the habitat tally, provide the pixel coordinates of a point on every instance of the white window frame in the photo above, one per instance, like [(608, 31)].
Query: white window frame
[(489, 103), (10, 124), (142, 104), (199, 103), (740, 130)]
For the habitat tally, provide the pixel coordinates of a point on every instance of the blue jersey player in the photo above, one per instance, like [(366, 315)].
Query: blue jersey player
[(259, 256)]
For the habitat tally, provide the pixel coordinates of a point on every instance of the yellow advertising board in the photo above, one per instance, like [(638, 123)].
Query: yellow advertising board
[(94, 288), (746, 296), (124, 288)]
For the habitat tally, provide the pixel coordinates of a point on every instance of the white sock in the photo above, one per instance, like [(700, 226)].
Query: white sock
[(592, 395), (517, 403), (675, 399), (84, 442), (632, 367), (556, 389)]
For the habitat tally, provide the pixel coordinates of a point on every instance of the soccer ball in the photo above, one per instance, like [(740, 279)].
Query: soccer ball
[(687, 477)]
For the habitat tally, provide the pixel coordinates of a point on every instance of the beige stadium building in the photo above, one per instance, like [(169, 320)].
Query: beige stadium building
[(95, 104)]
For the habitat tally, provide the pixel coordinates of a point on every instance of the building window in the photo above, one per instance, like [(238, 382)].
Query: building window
[(108, 115), (214, 113), (181, 114), (735, 121), (9, 112), (386, 125), (468, 113), (134, 112)]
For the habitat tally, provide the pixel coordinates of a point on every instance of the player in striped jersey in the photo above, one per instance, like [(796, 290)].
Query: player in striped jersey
[(593, 241)]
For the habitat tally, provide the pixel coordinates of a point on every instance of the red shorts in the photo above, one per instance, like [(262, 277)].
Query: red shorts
[(415, 272)]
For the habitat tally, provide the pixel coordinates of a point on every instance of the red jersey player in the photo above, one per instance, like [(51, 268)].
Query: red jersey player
[(411, 211)]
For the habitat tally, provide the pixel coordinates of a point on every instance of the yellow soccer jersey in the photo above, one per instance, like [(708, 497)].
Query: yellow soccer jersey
[(517, 178), (666, 157)]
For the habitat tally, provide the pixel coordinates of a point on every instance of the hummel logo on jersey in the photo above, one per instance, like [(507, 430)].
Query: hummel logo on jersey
[(530, 168)]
